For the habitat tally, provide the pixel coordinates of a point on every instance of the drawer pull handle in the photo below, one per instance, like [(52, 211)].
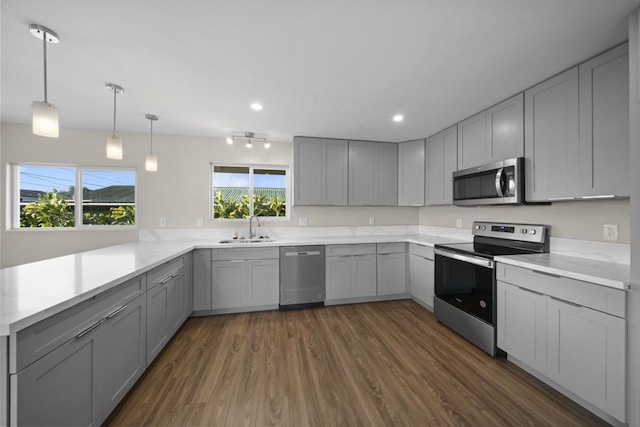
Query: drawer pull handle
[(90, 328), (237, 260), (530, 291), (175, 274), (166, 280), (544, 273), (116, 311), (566, 302)]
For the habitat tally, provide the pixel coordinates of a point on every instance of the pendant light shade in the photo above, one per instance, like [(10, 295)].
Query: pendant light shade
[(114, 142), (45, 119), (45, 115), (151, 161)]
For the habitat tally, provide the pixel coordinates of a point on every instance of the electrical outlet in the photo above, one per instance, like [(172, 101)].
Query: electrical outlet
[(372, 220), (610, 232), (303, 222), (200, 222), (459, 223), (163, 221)]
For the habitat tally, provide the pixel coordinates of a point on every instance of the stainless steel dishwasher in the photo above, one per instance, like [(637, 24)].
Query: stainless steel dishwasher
[(302, 281)]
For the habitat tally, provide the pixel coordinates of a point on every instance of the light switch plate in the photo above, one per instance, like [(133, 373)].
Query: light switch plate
[(372, 220), (458, 223), (302, 222), (610, 232), (200, 222), (163, 222)]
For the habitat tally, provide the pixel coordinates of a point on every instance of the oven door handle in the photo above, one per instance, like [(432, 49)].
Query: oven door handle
[(466, 258)]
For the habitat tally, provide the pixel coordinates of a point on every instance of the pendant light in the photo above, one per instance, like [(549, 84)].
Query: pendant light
[(114, 142), (45, 115), (151, 161)]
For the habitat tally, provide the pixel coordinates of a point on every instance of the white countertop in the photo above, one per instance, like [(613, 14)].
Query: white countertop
[(33, 292), (603, 273)]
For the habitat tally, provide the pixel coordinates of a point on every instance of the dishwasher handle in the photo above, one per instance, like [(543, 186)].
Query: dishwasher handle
[(308, 253)]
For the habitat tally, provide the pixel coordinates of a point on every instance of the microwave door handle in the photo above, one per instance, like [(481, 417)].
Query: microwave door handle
[(499, 182)]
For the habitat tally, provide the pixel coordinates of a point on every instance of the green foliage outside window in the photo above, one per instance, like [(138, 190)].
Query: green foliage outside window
[(52, 210), (262, 206)]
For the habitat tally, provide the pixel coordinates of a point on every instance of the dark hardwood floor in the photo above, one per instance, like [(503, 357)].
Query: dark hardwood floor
[(388, 363)]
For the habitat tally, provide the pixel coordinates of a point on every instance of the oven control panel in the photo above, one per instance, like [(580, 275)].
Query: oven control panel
[(525, 232)]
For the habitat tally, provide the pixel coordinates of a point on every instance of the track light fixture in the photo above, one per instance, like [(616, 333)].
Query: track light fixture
[(250, 138), (114, 142), (45, 115)]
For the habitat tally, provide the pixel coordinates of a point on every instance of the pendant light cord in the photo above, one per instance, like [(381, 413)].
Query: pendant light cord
[(44, 44), (151, 140), (115, 91)]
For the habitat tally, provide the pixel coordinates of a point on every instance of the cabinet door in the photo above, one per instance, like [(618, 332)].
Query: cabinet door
[(442, 161), (604, 124), (157, 320), (471, 141), (307, 171), (263, 282), (59, 389), (386, 174), (364, 280), (411, 177), (177, 302), (339, 277), (587, 355), (202, 279), (122, 353), (551, 138), (392, 274), (228, 284), (421, 279), (522, 325), (362, 163), (505, 129), (335, 175)]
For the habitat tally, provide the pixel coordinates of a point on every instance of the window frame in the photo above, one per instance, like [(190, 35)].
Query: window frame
[(14, 218), (252, 167)]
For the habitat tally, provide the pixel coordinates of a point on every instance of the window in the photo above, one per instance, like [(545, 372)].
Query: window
[(241, 191), (47, 197)]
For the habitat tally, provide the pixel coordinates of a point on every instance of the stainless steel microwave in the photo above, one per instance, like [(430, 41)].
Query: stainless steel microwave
[(499, 183)]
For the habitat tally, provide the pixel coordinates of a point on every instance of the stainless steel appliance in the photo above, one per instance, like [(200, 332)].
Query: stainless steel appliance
[(302, 274), (465, 278), (499, 183)]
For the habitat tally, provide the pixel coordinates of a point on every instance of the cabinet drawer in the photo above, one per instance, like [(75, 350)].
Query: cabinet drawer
[(36, 341), (346, 250), (601, 298), (391, 248), (165, 271), (420, 250), (245, 253)]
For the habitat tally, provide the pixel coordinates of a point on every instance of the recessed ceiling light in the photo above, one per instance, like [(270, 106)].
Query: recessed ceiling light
[(256, 106), (398, 118), (229, 140)]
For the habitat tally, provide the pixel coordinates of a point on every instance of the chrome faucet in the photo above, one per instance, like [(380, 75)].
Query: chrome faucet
[(252, 233)]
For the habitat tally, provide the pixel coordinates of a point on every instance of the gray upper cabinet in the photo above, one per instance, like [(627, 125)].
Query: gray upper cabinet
[(492, 135), (320, 171), (472, 135), (551, 135), (505, 133), (604, 124), (373, 173), (411, 173), (441, 161)]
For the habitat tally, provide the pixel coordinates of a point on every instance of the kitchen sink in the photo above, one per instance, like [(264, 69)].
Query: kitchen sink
[(261, 240)]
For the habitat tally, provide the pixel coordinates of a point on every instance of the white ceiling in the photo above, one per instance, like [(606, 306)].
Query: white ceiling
[(333, 68)]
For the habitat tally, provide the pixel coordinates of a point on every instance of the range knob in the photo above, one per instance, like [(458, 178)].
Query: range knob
[(532, 231), (524, 230)]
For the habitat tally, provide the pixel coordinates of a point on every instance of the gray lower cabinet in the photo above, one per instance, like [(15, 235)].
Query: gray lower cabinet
[(84, 378), (421, 274), (244, 279), (167, 304), (320, 171), (411, 172), (350, 271), (441, 161), (392, 268), (604, 124), (571, 333), (373, 173), (201, 279)]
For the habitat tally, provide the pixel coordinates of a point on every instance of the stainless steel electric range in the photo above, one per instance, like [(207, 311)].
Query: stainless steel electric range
[(465, 278)]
